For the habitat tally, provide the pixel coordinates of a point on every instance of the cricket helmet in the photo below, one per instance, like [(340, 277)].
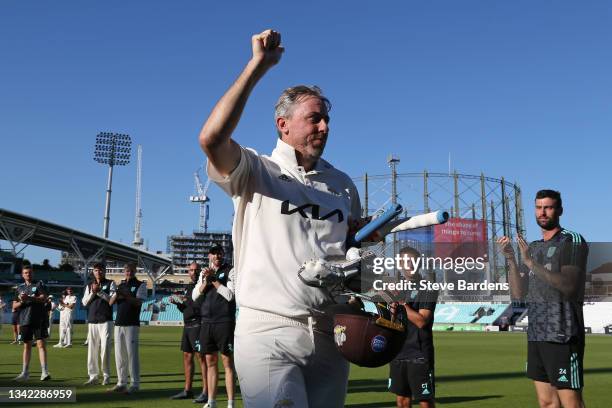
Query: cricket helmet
[(364, 338)]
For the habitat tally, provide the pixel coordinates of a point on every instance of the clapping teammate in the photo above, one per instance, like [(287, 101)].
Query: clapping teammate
[(129, 297), (100, 324), (551, 279), (215, 295), (190, 342), (33, 321)]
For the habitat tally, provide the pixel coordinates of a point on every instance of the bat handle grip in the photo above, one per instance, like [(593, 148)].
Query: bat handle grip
[(393, 211)]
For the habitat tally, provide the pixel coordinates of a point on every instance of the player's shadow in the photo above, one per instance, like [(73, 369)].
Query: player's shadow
[(505, 375), (162, 381), (441, 400), (355, 386), (161, 346), (163, 375), (121, 400), (465, 398)]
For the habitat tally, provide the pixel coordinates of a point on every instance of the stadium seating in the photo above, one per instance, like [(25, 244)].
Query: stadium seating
[(451, 313), (80, 313), (146, 312), (145, 316), (169, 313), (455, 313), (498, 310), (479, 313)]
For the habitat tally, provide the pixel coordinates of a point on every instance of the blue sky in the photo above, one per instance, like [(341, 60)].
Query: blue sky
[(518, 89)]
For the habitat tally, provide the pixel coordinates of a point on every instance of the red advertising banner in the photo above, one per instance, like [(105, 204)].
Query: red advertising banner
[(460, 237)]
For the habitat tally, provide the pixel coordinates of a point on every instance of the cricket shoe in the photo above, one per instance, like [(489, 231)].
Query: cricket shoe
[(203, 397), (182, 395), (132, 389), (118, 388), (92, 381), (22, 377)]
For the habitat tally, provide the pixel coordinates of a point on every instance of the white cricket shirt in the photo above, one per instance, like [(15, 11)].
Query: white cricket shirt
[(283, 217), (68, 300)]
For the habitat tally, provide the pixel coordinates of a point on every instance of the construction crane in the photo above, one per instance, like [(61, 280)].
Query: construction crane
[(138, 220), (202, 199)]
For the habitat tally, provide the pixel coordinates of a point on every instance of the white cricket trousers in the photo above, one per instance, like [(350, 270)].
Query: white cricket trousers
[(65, 329), (100, 337), (283, 362), (126, 354)]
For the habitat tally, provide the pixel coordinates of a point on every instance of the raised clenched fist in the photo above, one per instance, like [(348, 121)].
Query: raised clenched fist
[(267, 48)]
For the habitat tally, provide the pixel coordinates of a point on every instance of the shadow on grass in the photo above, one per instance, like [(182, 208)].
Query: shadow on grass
[(514, 374), (356, 386), (159, 395), (179, 380), (161, 381), (162, 375), (155, 396), (119, 400), (464, 398), (442, 400), (367, 386), (34, 382)]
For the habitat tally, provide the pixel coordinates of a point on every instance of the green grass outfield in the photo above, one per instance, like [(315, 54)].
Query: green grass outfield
[(473, 370)]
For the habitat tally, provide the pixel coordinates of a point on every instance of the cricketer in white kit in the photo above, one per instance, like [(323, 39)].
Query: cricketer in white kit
[(66, 307), (290, 207)]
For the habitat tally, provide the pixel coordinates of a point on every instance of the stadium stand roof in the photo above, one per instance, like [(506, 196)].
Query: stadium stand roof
[(19, 229)]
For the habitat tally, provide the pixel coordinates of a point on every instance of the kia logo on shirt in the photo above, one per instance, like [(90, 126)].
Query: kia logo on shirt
[(314, 211)]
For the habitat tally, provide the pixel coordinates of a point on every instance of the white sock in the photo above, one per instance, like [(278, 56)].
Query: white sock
[(24, 368), (230, 403), (44, 369)]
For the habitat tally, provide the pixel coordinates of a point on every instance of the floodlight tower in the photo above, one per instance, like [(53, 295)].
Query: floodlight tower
[(138, 222), (112, 149)]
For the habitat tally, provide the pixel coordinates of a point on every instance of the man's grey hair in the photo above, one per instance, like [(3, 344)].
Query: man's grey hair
[(291, 96)]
